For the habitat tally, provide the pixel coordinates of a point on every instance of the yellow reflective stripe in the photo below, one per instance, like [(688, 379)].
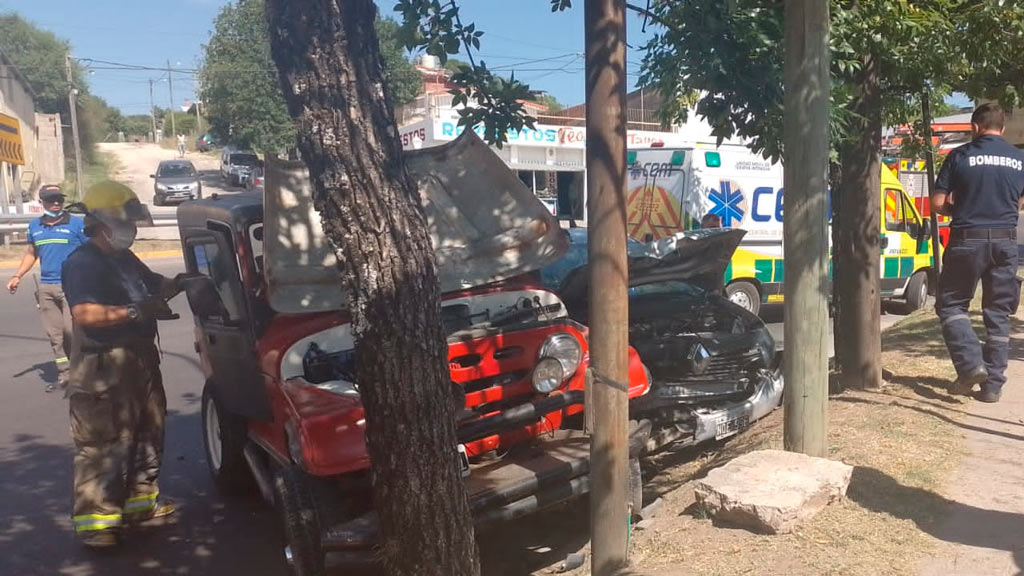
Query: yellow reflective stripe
[(61, 360), (88, 522), (51, 241), (138, 504)]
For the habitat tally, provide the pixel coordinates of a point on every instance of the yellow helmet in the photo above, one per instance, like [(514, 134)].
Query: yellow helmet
[(113, 203)]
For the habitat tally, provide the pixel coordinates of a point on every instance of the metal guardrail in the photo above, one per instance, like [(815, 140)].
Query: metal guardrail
[(19, 222)]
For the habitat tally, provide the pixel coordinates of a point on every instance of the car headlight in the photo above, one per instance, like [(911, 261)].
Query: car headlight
[(161, 187), (547, 375), (559, 358), (766, 346)]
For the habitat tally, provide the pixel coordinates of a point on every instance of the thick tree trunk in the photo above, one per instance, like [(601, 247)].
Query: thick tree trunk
[(858, 238), (328, 55)]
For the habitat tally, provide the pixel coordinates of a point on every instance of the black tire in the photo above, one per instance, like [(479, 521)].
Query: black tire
[(158, 200), (745, 295), (225, 453), (916, 294), (636, 487), (300, 522)]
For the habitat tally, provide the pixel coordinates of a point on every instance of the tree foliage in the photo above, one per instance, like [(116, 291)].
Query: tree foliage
[(39, 55), (240, 88)]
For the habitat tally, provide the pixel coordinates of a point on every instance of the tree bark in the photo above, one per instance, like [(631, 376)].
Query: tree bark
[(328, 56), (858, 238)]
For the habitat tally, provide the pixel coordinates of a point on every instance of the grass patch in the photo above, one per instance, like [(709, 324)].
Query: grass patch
[(100, 168)]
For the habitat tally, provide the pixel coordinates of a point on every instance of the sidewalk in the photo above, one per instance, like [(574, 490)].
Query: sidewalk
[(983, 535)]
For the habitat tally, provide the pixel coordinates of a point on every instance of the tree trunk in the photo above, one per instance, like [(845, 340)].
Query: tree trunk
[(858, 239), (835, 176), (328, 56)]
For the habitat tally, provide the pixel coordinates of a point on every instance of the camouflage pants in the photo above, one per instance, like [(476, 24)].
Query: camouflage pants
[(118, 412)]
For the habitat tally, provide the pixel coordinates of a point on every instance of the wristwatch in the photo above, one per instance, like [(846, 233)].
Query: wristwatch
[(133, 312)]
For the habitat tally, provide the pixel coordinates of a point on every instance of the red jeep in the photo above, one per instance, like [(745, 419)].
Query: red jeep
[(280, 405)]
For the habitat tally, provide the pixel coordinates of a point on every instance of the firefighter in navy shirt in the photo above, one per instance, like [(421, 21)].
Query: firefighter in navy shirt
[(51, 239), (981, 186)]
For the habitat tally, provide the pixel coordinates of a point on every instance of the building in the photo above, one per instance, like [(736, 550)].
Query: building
[(33, 141), (549, 158)]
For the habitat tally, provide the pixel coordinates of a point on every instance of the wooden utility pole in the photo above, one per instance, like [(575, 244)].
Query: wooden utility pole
[(170, 93), (929, 162), (73, 106), (605, 39), (152, 109), (805, 227)]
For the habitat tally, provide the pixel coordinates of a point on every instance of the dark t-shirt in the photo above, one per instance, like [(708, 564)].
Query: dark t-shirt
[(986, 179), (114, 279)]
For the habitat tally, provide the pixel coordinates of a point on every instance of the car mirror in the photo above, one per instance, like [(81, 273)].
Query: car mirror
[(152, 175), (203, 298), (926, 229)]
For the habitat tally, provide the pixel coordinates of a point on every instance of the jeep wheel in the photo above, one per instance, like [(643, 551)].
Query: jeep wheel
[(744, 295), (916, 294), (224, 438), (303, 550)]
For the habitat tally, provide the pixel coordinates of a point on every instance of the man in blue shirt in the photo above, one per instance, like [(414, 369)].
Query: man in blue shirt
[(981, 185), (51, 239)]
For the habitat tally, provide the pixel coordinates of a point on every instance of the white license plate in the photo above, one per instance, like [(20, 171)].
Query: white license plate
[(463, 461), (726, 427)]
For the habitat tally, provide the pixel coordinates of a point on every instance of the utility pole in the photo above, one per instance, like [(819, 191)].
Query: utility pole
[(73, 106), (805, 229), (152, 109), (605, 39), (929, 162), (170, 93), (199, 120)]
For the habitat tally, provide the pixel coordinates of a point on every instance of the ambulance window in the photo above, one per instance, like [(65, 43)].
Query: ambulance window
[(910, 219), (894, 211)]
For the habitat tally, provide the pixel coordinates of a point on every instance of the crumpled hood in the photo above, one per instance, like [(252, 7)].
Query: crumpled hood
[(485, 226), (698, 257)]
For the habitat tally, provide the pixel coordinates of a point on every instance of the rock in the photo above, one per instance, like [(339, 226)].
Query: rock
[(572, 562), (644, 524), (772, 491), (652, 509)]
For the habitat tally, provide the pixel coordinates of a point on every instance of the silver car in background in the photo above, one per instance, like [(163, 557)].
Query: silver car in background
[(176, 180)]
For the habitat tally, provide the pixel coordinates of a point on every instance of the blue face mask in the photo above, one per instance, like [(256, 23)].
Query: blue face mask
[(53, 214)]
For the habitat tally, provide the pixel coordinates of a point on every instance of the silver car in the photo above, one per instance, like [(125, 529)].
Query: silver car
[(176, 180)]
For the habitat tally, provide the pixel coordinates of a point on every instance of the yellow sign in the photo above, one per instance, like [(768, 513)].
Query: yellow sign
[(11, 150)]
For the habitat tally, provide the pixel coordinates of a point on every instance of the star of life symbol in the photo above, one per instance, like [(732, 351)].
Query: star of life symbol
[(729, 204)]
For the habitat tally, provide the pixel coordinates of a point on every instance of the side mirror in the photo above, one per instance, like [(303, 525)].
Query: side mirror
[(203, 298), (152, 175), (926, 229)]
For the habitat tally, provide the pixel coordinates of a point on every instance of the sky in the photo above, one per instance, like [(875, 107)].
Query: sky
[(543, 48)]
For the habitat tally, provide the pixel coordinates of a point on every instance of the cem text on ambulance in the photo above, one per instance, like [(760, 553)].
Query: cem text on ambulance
[(669, 190)]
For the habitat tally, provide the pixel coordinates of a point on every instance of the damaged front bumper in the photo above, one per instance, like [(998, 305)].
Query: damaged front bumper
[(688, 423)]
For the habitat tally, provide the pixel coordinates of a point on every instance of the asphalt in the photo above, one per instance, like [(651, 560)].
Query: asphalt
[(212, 535)]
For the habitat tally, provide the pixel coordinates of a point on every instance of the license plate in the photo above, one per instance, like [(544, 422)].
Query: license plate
[(463, 461), (726, 427)]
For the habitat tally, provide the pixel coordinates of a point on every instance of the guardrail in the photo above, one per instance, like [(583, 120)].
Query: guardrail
[(19, 222)]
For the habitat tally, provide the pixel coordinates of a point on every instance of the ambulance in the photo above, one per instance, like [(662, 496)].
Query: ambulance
[(669, 190)]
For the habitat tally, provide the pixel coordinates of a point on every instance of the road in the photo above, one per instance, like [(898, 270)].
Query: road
[(136, 161), (772, 315), (212, 535)]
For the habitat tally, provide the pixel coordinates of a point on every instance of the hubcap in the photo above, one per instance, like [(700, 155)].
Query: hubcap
[(741, 299), (213, 440)]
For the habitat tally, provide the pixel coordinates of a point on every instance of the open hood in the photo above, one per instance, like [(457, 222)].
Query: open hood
[(485, 225), (699, 257)]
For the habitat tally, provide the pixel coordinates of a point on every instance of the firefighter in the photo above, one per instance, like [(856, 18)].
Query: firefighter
[(981, 185), (116, 393), (51, 239)]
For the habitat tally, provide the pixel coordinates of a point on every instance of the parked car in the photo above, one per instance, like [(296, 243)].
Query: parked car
[(235, 165), (281, 405), (176, 180), (714, 366), (206, 142)]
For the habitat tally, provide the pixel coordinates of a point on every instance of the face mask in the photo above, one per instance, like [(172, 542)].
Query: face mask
[(122, 238), (53, 214)]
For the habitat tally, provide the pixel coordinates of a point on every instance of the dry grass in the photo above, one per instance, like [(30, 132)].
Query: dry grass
[(901, 439)]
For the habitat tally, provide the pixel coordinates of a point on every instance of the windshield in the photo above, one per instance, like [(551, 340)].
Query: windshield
[(671, 288), (243, 159), (176, 171)]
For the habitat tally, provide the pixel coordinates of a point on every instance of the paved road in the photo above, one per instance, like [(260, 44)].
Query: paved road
[(213, 536), (772, 315)]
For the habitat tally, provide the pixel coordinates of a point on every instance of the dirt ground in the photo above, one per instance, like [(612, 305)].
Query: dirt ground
[(902, 441)]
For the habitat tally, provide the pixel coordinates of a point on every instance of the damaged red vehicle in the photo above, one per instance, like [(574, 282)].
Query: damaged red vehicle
[(281, 407)]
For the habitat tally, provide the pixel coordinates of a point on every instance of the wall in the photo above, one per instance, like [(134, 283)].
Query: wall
[(17, 100)]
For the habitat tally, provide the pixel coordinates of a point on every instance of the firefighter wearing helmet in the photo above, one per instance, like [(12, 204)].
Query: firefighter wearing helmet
[(116, 394)]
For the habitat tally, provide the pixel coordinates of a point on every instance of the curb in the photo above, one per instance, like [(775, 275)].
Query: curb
[(142, 256)]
